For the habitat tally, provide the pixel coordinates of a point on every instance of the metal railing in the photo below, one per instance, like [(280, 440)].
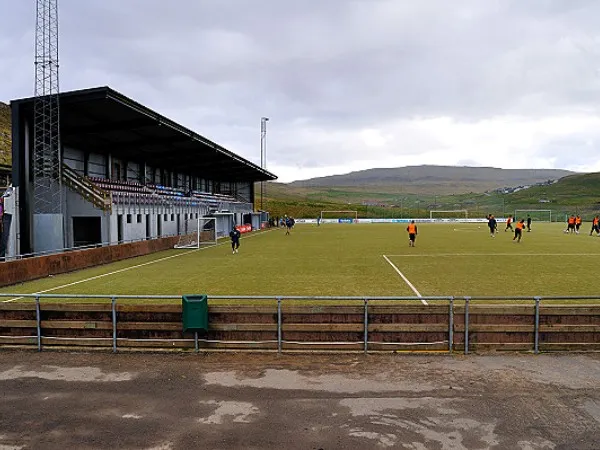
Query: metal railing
[(366, 301)]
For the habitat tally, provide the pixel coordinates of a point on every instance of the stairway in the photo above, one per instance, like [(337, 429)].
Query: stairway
[(88, 190)]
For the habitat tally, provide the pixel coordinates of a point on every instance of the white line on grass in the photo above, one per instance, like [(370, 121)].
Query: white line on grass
[(128, 268), (410, 285), (496, 254)]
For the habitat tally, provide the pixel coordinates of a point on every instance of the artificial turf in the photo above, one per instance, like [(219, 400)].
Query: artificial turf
[(347, 260)]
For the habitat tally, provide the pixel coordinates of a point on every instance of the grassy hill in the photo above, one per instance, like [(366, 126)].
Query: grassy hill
[(5, 133), (578, 193)]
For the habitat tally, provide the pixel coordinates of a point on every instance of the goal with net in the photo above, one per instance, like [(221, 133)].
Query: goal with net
[(339, 216), (197, 232), (537, 215), (449, 214)]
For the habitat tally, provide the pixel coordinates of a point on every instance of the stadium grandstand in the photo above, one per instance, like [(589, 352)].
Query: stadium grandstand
[(127, 174)]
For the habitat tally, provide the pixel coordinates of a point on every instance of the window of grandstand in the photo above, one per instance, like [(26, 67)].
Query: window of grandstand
[(128, 218), (139, 218)]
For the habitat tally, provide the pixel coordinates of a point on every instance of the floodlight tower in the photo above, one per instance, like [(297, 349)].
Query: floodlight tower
[(263, 154), (47, 189)]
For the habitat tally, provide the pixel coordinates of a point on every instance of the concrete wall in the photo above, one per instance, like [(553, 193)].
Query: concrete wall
[(76, 206), (137, 231), (169, 227)]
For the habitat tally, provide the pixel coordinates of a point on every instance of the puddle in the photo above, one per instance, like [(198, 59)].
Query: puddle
[(240, 411), (436, 427), (292, 380), (55, 373)]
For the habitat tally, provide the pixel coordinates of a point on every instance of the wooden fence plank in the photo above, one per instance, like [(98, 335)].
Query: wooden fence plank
[(148, 308), (557, 310), (560, 328), (18, 324), (165, 326), (416, 327), (100, 342), (242, 327), (403, 309), (497, 310), (17, 306), (76, 307), (487, 328), (9, 340), (76, 324)]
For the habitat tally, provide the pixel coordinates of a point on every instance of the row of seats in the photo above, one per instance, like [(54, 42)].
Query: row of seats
[(153, 194), (138, 198), (118, 186)]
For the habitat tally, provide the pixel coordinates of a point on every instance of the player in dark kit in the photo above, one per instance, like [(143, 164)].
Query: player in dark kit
[(235, 234), (492, 224)]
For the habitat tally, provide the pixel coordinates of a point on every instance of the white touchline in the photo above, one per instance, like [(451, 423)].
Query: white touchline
[(410, 285), (127, 268), (436, 255)]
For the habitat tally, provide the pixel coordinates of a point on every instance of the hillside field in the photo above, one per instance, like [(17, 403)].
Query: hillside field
[(355, 260)]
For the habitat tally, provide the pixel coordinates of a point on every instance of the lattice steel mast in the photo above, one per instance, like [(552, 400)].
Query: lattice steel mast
[(46, 143)]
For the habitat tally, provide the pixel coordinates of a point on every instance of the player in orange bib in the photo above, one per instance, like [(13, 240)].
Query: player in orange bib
[(595, 226), (570, 224), (577, 224), (519, 230), (412, 233)]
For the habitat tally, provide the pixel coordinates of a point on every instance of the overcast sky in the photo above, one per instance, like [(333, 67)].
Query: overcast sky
[(347, 85)]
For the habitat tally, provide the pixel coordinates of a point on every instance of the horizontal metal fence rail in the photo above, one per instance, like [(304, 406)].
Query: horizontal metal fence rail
[(451, 301)]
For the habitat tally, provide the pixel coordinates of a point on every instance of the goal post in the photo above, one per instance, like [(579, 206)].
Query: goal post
[(449, 214), (342, 216), (537, 215), (197, 232)]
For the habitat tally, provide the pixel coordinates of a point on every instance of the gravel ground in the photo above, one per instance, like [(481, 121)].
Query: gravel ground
[(58, 400)]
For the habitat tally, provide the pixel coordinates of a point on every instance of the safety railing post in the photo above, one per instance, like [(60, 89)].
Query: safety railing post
[(113, 305), (366, 325), (450, 324), (279, 325), (536, 332), (38, 321), (467, 301)]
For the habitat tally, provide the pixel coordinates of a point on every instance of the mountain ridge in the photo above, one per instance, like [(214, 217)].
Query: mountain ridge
[(426, 174)]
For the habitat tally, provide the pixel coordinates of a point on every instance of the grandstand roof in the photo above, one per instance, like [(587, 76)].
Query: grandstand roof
[(102, 120)]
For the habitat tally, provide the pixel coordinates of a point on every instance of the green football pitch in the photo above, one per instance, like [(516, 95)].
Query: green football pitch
[(355, 260)]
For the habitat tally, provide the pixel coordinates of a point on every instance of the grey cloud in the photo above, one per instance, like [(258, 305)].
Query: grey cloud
[(333, 67)]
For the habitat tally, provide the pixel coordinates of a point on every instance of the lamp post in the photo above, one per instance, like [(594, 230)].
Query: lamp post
[(263, 154)]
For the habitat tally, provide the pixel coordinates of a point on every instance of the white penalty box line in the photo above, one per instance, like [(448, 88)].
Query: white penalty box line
[(125, 269), (410, 285)]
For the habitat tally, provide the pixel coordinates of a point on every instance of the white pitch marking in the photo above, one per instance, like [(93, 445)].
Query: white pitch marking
[(497, 254), (410, 285), (128, 268)]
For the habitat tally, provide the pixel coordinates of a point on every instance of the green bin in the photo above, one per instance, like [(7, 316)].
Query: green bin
[(195, 312)]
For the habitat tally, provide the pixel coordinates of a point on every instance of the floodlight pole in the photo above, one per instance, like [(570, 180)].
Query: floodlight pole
[(263, 154)]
